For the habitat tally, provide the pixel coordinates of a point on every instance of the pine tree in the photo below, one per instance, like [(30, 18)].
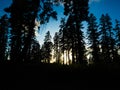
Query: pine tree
[(78, 10), (117, 40), (3, 38), (47, 48), (72, 37), (117, 30), (62, 38), (111, 37), (107, 38), (56, 47), (93, 37)]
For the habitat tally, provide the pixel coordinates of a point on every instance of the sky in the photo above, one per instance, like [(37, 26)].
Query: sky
[(97, 7)]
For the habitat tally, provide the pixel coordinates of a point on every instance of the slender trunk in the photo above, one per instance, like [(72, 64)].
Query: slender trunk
[(66, 57), (63, 57), (73, 56), (63, 50), (73, 59), (59, 56), (69, 56)]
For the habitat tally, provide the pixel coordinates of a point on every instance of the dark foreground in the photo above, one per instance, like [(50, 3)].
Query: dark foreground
[(53, 76)]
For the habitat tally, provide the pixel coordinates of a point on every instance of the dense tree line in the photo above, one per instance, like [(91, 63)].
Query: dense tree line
[(103, 40), (22, 40), (18, 42)]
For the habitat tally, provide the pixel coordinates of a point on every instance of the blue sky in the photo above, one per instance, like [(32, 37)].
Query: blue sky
[(3, 4), (97, 7), (106, 6)]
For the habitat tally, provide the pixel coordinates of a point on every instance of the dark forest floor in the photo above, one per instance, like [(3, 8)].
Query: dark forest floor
[(54, 76)]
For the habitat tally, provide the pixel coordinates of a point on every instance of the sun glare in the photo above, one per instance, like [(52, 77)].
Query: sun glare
[(67, 59)]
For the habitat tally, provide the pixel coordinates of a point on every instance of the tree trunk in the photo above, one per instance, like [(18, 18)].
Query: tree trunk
[(68, 56)]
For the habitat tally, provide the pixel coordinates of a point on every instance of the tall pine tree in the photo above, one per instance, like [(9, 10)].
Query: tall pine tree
[(3, 37), (47, 48), (56, 47), (78, 10), (107, 38), (93, 37), (117, 41)]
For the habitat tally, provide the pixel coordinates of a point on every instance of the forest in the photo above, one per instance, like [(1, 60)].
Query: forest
[(71, 51), (18, 43)]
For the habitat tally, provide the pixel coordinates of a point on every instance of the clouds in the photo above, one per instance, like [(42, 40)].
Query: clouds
[(91, 1)]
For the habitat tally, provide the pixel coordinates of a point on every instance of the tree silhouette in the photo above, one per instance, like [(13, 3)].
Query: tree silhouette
[(93, 37), (103, 37), (117, 30), (47, 11), (56, 47), (65, 41), (104, 41), (3, 38), (35, 53), (71, 37), (22, 19), (107, 38), (47, 48), (78, 10), (117, 41), (111, 37), (62, 37)]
